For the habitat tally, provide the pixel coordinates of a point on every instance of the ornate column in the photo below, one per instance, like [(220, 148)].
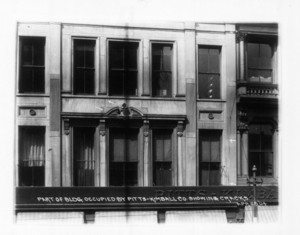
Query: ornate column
[(179, 152), (244, 153), (241, 39), (102, 154), (66, 158), (243, 141), (147, 160), (239, 155)]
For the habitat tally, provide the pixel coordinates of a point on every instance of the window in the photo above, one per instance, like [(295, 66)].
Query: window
[(210, 157), (84, 66), (209, 72), (162, 55), (259, 62), (32, 65), (123, 68), (31, 156), (261, 149), (84, 157), (123, 165), (162, 157)]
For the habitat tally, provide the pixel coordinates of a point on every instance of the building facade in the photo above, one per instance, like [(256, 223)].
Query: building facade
[(144, 106)]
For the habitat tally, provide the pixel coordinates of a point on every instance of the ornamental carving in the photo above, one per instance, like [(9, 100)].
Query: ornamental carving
[(124, 111), (180, 128), (146, 128), (102, 130), (67, 126), (241, 36)]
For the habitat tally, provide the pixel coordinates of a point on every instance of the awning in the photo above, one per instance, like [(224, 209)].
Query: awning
[(50, 217), (126, 217), (199, 216), (266, 214)]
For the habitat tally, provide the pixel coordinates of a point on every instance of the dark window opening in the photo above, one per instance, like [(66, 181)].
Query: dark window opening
[(84, 156), (210, 157), (84, 66), (259, 62), (209, 72), (162, 157), (162, 63), (123, 151), (32, 65), (123, 68), (261, 149), (31, 156)]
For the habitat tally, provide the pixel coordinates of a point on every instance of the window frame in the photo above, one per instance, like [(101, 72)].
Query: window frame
[(173, 65), (21, 40), (210, 46), (96, 70), (42, 131), (261, 151), (261, 39), (216, 132), (138, 69), (123, 124)]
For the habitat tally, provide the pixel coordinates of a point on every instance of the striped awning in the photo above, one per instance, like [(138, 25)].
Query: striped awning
[(266, 214)]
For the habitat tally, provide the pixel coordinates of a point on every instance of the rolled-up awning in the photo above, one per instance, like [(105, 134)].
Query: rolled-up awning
[(266, 214)]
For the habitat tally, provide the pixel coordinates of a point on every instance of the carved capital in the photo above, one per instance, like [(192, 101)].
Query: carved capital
[(102, 130), (180, 128), (67, 126), (240, 36), (146, 128)]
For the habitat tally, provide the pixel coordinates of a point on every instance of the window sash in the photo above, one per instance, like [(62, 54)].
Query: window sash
[(31, 156), (123, 68), (162, 69), (84, 156), (32, 65), (123, 173)]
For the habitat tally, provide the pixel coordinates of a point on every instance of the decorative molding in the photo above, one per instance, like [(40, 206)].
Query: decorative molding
[(211, 116), (241, 36), (102, 130), (124, 111), (67, 126), (32, 112), (180, 128), (146, 128)]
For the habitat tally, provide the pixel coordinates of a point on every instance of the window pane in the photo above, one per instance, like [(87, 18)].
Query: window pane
[(162, 70), (162, 83), (132, 144), (214, 176), (32, 65), (31, 156), (116, 173), (84, 159), (131, 178), (259, 75), (116, 82), (204, 174), (214, 61), (131, 83), (162, 145), (215, 150), (162, 174), (205, 150), (84, 54), (116, 55), (131, 55)]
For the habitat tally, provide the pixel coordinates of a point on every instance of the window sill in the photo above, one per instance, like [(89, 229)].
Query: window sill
[(32, 95), (211, 100)]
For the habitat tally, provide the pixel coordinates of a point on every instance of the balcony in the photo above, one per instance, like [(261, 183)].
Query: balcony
[(248, 92)]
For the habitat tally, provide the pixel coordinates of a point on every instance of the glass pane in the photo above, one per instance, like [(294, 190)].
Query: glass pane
[(84, 158), (215, 150), (162, 83), (167, 58), (131, 173), (203, 60), (260, 75), (116, 173), (39, 54), (204, 174), (162, 145), (38, 80), (117, 145), (79, 53), (116, 55), (27, 54), (90, 54), (214, 175), (162, 174), (132, 144), (254, 142), (131, 83), (265, 50), (31, 156), (131, 50), (214, 61), (116, 85), (162, 57), (204, 150), (167, 147), (88, 85)]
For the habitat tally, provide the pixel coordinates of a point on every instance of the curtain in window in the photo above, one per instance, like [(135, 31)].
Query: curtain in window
[(84, 157), (32, 147)]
